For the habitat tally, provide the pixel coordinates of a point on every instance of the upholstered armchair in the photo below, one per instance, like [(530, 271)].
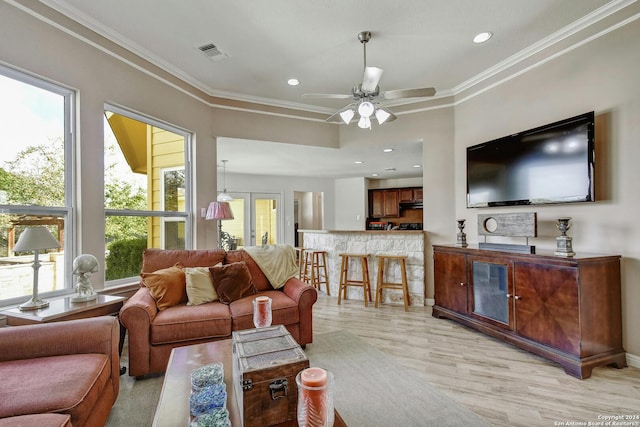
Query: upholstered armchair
[(61, 370)]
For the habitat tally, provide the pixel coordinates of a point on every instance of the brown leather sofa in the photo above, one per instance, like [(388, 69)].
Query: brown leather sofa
[(153, 333), (59, 374)]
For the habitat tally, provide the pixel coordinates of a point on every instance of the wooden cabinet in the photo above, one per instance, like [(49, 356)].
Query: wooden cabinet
[(384, 203), (376, 199), (391, 204), (565, 309), (450, 274), (410, 195), (406, 195)]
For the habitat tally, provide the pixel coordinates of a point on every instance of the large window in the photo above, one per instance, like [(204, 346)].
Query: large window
[(146, 190), (35, 182)]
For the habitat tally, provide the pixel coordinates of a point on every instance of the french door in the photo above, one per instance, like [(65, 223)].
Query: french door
[(257, 219)]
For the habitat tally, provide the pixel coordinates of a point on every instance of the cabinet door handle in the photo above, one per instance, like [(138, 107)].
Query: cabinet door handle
[(509, 295), (461, 283), (516, 297)]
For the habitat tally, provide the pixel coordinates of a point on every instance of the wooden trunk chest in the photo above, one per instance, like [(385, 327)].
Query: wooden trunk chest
[(265, 364)]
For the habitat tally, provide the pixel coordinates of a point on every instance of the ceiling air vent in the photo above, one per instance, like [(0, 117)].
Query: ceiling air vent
[(212, 52)]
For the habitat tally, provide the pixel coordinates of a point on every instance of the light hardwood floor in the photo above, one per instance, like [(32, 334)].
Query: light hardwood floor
[(505, 385)]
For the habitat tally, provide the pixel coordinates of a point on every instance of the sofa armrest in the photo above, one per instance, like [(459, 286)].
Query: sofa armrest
[(136, 315), (300, 291), (305, 296)]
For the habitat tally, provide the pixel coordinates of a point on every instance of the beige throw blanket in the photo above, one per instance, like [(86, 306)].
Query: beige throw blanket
[(277, 262)]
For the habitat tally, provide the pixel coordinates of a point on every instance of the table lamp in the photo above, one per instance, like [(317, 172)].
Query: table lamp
[(220, 211), (35, 239)]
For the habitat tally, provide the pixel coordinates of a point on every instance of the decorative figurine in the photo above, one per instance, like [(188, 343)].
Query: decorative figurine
[(84, 266), (564, 246), (461, 237)]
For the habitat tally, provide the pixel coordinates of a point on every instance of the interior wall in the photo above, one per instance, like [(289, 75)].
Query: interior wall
[(350, 203), (601, 75)]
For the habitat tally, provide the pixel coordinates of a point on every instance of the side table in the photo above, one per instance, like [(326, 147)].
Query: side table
[(62, 309)]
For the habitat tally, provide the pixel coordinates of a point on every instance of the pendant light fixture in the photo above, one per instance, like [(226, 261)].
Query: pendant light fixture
[(224, 196)]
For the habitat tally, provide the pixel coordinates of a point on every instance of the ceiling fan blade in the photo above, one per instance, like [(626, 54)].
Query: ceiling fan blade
[(327, 95), (409, 93), (371, 79)]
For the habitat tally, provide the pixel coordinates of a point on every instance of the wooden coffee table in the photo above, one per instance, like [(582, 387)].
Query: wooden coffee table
[(173, 405)]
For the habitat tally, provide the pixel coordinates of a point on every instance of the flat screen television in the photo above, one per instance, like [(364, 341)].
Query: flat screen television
[(549, 164)]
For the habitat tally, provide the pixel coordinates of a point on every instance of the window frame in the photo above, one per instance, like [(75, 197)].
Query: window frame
[(68, 211), (187, 215)]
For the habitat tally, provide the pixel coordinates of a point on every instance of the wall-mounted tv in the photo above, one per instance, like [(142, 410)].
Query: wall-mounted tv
[(549, 164)]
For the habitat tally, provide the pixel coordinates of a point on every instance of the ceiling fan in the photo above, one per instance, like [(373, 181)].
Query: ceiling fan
[(367, 95)]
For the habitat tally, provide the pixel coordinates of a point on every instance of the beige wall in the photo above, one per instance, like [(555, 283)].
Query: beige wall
[(602, 76)]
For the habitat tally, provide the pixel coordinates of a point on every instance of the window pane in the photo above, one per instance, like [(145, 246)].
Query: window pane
[(32, 182), (233, 229), (32, 134), (145, 187), (174, 190)]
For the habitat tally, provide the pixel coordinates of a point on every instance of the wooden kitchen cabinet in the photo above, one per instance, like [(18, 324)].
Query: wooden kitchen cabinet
[(384, 203), (376, 198), (410, 195), (565, 309), (391, 203)]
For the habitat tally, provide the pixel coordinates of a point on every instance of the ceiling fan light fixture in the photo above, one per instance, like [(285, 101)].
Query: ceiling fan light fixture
[(382, 115), (347, 115), (364, 123), (366, 109)]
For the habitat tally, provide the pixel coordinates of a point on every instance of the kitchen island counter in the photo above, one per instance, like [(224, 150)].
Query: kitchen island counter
[(373, 242)]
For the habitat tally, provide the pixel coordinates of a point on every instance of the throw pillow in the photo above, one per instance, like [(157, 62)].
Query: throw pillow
[(199, 285), (232, 281), (167, 286)]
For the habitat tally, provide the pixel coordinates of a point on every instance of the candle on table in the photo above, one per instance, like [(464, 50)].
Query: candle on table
[(314, 394)]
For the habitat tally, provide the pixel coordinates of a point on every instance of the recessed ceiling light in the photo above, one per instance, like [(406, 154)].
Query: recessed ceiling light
[(482, 37), (358, 162), (390, 169), (374, 174), (293, 82), (417, 166), (388, 150)]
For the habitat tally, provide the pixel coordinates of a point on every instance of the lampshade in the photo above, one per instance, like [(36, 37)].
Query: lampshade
[(347, 115), (366, 109), (364, 123), (219, 210), (382, 115), (35, 238)]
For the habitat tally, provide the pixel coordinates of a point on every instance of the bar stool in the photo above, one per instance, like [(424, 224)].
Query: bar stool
[(315, 269), (365, 283), (381, 284), (300, 260)]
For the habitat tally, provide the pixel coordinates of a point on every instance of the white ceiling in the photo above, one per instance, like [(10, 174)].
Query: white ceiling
[(418, 43)]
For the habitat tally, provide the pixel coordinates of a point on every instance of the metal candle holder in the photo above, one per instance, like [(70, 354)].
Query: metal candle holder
[(564, 244)]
